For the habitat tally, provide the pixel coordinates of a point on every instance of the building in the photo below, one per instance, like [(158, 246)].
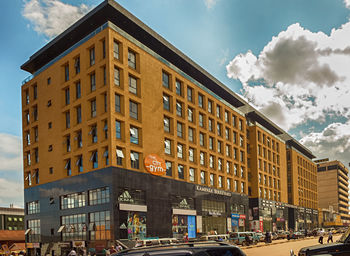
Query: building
[(328, 218), (126, 137), (333, 188), (11, 218)]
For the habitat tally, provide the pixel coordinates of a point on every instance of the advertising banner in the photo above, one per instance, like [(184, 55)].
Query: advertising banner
[(191, 220)]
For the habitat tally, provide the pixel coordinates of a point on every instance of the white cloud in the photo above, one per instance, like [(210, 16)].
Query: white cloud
[(11, 193), (210, 3), (299, 76), (10, 153), (347, 3), (51, 17), (333, 142)]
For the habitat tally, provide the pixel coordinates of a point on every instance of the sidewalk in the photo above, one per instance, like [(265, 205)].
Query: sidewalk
[(278, 241)]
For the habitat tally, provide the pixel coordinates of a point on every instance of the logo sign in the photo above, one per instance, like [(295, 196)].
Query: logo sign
[(155, 165)]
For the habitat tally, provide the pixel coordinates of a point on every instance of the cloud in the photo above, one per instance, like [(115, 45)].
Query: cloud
[(347, 3), (51, 17), (210, 3), (299, 76), (11, 193), (333, 142), (10, 153)]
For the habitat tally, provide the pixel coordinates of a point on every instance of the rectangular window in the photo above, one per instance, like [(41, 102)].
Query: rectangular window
[(180, 171), (166, 124), (92, 82), (211, 143), (211, 179), (103, 49), (178, 108), (166, 80), (99, 225), (92, 56), (133, 108), (189, 94), (169, 169), (35, 92), (99, 196), (134, 135), (228, 167), (190, 114), (72, 201), (219, 129), (118, 133), (180, 130), (180, 151), (34, 226), (93, 108), (227, 134), (133, 85), (67, 119), (79, 163), (191, 154), (190, 134), (201, 120), (201, 139), (104, 75), (79, 139), (27, 96), (210, 106), (33, 207), (116, 49), (166, 102), (66, 72), (211, 161), (220, 164), (35, 113), (68, 167), (116, 76), (120, 156), (36, 133), (202, 177), (227, 114), (134, 160), (94, 159), (202, 158), (93, 133), (200, 100), (117, 103), (192, 174), (178, 86), (218, 111), (220, 181), (105, 104), (66, 95), (167, 146), (77, 65), (219, 146), (132, 59), (77, 90)]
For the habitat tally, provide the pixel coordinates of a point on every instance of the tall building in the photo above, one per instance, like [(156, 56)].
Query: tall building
[(11, 218), (333, 188), (126, 137)]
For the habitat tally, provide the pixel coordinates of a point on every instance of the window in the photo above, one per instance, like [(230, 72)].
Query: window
[(201, 139), (133, 85), (36, 133), (35, 113), (27, 96), (34, 235), (28, 138), (180, 151), (242, 156), (68, 168), (67, 142), (241, 124), (235, 169), (166, 80), (219, 143), (94, 159), (219, 128), (117, 102), (228, 167), (210, 125), (241, 141), (67, 119), (218, 111), (133, 109), (200, 120), (100, 223), (118, 133), (228, 150), (132, 59), (166, 102), (33, 207), (166, 124), (180, 171), (106, 155), (93, 108), (72, 201), (242, 187), (236, 185), (120, 156), (220, 164), (192, 174), (48, 80), (178, 86), (134, 135), (116, 76), (169, 169), (104, 71), (77, 90), (189, 94), (178, 108), (190, 114), (202, 158), (180, 130), (200, 100), (103, 48), (66, 72), (116, 49), (79, 163), (99, 196), (93, 133), (211, 161), (66, 94), (227, 133), (79, 139), (92, 82), (227, 116), (134, 158), (220, 181), (167, 146), (77, 65), (92, 56), (210, 106), (211, 143), (190, 134), (242, 172), (228, 184), (105, 103), (211, 179), (191, 154), (202, 177)]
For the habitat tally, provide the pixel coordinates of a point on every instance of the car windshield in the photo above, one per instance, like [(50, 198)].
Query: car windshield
[(344, 236)]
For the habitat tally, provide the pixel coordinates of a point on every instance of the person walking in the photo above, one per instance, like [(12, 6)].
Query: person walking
[(330, 237), (72, 252), (320, 239)]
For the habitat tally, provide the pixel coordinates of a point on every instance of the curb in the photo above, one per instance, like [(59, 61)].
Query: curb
[(282, 242)]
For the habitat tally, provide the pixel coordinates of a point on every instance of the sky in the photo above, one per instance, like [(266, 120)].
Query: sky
[(288, 58)]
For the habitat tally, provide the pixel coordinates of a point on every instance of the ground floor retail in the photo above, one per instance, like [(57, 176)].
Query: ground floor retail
[(92, 210)]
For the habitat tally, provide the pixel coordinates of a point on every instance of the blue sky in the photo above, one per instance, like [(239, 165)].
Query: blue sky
[(287, 57)]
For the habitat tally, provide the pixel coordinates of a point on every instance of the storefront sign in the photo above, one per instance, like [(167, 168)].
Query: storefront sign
[(33, 245), (78, 243), (125, 197), (63, 244), (191, 226), (155, 165), (242, 216), (235, 215), (213, 191)]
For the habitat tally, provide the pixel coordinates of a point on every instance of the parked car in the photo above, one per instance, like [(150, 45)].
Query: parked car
[(222, 238), (341, 247), (260, 235), (282, 234), (209, 248), (274, 235), (156, 241), (240, 237)]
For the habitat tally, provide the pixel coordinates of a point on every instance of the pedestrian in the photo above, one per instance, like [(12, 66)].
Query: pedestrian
[(112, 249), (72, 252), (330, 237), (119, 248), (186, 238), (320, 239)]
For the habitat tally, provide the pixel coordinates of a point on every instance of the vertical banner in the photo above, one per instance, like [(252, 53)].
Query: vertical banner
[(229, 225), (199, 224), (191, 222)]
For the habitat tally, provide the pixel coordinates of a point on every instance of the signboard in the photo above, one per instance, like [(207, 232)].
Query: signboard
[(235, 215), (213, 191), (155, 165), (191, 226)]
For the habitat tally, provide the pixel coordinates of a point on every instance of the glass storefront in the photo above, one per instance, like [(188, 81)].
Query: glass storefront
[(215, 221), (136, 225), (182, 225)]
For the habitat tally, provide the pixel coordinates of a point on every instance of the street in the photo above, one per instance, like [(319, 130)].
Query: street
[(283, 247)]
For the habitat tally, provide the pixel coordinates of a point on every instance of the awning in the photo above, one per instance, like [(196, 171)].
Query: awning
[(61, 229), (27, 231)]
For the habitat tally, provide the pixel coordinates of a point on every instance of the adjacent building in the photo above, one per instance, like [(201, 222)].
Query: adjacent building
[(11, 218), (333, 188), (125, 137)]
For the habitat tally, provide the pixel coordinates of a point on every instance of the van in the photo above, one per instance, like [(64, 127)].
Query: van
[(156, 241), (240, 237), (223, 237)]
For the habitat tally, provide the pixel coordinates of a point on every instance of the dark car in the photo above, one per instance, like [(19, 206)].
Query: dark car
[(210, 248), (339, 248)]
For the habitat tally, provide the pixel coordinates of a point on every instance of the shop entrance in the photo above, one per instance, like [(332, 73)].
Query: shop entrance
[(213, 223)]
